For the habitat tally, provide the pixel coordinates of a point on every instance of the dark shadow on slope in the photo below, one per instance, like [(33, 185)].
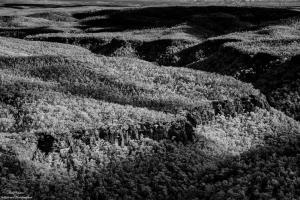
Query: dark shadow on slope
[(160, 51), (36, 5), (173, 171), (200, 52), (12, 173), (276, 78), (259, 173), (202, 22), (21, 33), (109, 89), (218, 20), (54, 16), (281, 84)]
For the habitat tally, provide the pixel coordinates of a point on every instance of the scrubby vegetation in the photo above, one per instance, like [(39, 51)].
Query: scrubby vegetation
[(94, 119)]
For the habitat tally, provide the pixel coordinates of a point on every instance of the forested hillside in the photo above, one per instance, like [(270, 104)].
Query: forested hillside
[(149, 103)]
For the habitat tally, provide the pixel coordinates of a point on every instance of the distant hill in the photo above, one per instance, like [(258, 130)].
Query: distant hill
[(165, 2)]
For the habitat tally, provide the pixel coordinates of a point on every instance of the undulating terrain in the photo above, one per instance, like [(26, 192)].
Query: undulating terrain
[(119, 102)]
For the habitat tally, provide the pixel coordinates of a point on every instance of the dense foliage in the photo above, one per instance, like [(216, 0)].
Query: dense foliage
[(79, 125), (268, 58), (264, 164)]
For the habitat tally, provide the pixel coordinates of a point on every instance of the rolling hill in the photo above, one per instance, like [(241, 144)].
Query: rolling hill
[(149, 103)]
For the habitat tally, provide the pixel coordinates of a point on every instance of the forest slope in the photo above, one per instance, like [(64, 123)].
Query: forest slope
[(94, 119)]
